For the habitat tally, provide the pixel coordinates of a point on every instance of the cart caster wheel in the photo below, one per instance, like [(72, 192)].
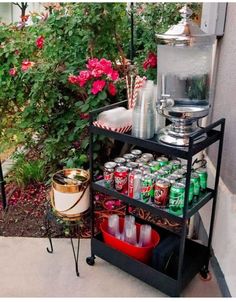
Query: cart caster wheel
[(90, 260), (205, 275)]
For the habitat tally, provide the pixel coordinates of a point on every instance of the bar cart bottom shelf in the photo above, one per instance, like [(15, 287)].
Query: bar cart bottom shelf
[(195, 254)]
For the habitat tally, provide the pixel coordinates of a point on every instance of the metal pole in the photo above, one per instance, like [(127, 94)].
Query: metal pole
[(2, 187), (132, 54), (91, 173), (185, 211), (217, 177)]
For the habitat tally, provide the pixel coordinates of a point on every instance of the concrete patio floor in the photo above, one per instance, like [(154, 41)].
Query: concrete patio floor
[(27, 270)]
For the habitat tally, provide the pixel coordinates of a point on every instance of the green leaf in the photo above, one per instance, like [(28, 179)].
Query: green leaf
[(85, 108), (102, 95), (83, 158)]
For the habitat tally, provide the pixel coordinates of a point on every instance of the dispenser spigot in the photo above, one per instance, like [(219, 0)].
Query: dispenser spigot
[(166, 101)]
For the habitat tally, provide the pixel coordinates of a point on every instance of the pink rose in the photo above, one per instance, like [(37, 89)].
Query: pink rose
[(106, 66), (13, 72), (83, 77), (98, 86), (84, 116), (151, 61), (97, 71), (114, 75), (92, 63), (73, 79), (112, 89), (152, 57), (145, 64), (40, 42), (26, 64)]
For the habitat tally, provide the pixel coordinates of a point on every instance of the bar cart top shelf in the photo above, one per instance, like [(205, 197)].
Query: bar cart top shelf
[(212, 135)]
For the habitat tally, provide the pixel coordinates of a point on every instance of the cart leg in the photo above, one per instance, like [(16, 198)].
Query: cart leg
[(76, 253), (205, 273), (91, 260)]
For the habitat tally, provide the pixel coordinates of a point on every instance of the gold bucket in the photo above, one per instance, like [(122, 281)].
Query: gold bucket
[(71, 200)]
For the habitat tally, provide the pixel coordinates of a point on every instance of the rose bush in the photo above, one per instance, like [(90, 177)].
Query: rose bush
[(38, 63)]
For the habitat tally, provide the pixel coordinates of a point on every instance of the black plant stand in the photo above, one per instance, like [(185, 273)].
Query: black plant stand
[(73, 224), (2, 187)]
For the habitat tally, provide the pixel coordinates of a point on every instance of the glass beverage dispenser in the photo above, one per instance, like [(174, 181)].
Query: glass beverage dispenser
[(183, 80)]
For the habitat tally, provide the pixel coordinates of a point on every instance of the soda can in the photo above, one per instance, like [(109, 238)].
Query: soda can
[(191, 189), (146, 188), (161, 174), (180, 172), (167, 169), (173, 178), (202, 172), (147, 156), (196, 183), (136, 152), (163, 161), (121, 179), (141, 160), (108, 174), (176, 198), (120, 161), (161, 192), (134, 184), (175, 164), (145, 169), (132, 165), (129, 157), (154, 166)]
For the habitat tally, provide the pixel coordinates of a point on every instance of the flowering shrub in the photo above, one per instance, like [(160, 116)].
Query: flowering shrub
[(97, 77), (39, 76)]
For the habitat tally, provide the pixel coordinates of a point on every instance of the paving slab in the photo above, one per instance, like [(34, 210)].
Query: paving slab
[(27, 270)]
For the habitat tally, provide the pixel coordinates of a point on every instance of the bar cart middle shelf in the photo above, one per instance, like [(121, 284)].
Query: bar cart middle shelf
[(193, 257)]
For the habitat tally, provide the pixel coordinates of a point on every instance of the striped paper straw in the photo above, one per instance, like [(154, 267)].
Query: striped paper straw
[(138, 84)]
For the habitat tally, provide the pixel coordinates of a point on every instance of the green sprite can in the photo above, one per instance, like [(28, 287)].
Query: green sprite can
[(154, 166), (202, 172), (167, 169), (161, 174), (191, 189), (176, 198), (163, 161), (175, 164), (196, 183), (147, 191)]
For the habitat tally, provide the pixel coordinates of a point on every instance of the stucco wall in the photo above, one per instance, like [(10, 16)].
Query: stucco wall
[(11, 13), (225, 98), (5, 12), (224, 105)]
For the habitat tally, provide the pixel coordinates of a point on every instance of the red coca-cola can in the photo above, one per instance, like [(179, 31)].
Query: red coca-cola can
[(121, 179), (161, 192)]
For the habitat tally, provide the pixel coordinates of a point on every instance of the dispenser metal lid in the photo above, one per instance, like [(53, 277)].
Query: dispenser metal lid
[(186, 32)]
